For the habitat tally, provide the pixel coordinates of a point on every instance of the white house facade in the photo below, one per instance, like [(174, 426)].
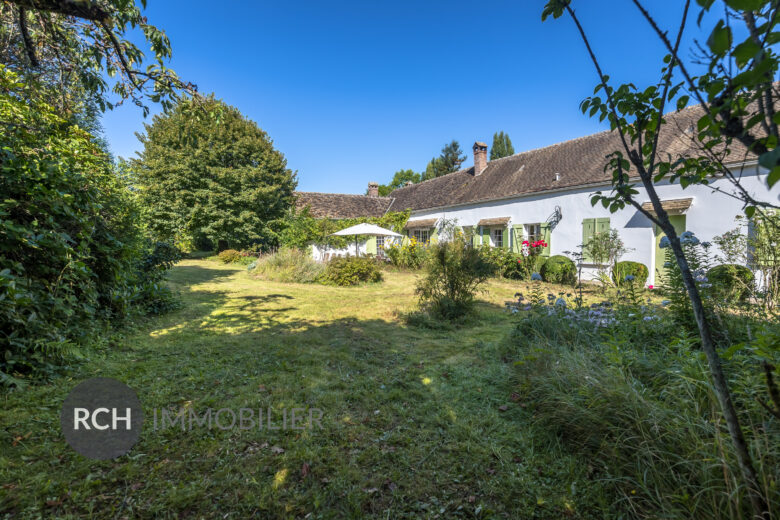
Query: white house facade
[(565, 218), (546, 194)]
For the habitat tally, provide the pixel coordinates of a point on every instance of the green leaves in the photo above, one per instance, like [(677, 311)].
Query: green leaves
[(97, 55), (720, 39), (209, 176), (745, 5), (771, 161), (554, 8), (746, 51)]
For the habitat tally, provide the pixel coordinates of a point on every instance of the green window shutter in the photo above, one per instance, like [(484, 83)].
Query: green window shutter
[(433, 235), (506, 238), (371, 246), (602, 225), (474, 236), (588, 228), (485, 236), (546, 232), (517, 238)]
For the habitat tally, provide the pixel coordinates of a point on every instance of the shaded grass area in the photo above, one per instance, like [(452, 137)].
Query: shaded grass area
[(417, 423)]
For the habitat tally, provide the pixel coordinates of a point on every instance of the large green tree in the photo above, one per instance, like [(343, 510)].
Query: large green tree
[(448, 161), (400, 179), (219, 180), (502, 146)]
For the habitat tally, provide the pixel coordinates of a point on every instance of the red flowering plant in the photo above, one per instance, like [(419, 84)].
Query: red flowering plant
[(528, 261)]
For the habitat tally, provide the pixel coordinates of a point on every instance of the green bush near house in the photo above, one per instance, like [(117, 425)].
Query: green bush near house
[(289, 265), (228, 256), (454, 273), (505, 263), (731, 282), (408, 255), (636, 269), (351, 271), (559, 269)]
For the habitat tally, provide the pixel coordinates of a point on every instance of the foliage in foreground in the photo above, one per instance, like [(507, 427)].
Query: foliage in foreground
[(623, 387), (71, 253)]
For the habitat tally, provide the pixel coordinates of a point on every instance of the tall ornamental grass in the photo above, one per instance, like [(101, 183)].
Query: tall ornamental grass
[(289, 265), (628, 390)]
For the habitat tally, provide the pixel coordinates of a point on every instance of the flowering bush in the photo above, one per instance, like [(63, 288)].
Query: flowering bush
[(409, 255), (532, 257)]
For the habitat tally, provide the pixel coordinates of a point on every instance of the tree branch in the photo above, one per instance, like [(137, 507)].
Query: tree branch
[(120, 53), (88, 10), (28, 45)]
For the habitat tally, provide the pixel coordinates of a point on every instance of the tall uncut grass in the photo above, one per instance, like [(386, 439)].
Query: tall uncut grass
[(289, 265), (635, 400)]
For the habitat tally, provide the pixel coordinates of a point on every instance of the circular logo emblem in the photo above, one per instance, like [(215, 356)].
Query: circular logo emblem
[(101, 418)]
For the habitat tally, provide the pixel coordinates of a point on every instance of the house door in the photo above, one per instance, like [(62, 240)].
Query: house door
[(678, 222)]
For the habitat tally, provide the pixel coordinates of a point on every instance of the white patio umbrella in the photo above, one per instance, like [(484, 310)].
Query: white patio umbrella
[(365, 229)]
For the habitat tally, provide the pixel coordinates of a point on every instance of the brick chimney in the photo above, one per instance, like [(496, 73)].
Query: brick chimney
[(480, 157), (373, 189)]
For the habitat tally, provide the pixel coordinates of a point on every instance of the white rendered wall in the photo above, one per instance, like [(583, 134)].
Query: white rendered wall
[(710, 214)]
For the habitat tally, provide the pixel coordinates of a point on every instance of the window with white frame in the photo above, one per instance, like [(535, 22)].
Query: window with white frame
[(380, 242), (421, 235), (498, 237), (533, 232)]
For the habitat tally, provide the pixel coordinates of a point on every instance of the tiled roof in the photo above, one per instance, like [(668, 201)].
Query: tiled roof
[(498, 221), (337, 205), (423, 223), (671, 205), (577, 162)]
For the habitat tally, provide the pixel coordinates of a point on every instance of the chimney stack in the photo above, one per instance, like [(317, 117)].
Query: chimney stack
[(480, 157), (373, 189)]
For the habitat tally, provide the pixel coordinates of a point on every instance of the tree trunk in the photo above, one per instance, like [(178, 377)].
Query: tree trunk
[(760, 509), (759, 505)]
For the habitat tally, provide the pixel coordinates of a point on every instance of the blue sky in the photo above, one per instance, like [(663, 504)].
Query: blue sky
[(350, 92)]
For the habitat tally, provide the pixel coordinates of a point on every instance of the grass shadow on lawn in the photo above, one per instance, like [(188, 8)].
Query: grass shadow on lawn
[(412, 419)]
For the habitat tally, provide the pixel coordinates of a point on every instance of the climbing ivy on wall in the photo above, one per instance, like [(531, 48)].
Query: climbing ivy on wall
[(300, 229)]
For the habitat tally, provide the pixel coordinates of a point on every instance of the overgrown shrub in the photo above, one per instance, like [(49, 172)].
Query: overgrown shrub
[(730, 282), (351, 270), (70, 244), (453, 275), (632, 397), (697, 254), (289, 265), (506, 264), (409, 254), (229, 256), (155, 297), (638, 270), (559, 269)]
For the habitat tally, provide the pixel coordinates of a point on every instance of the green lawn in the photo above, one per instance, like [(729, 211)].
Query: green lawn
[(417, 422)]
